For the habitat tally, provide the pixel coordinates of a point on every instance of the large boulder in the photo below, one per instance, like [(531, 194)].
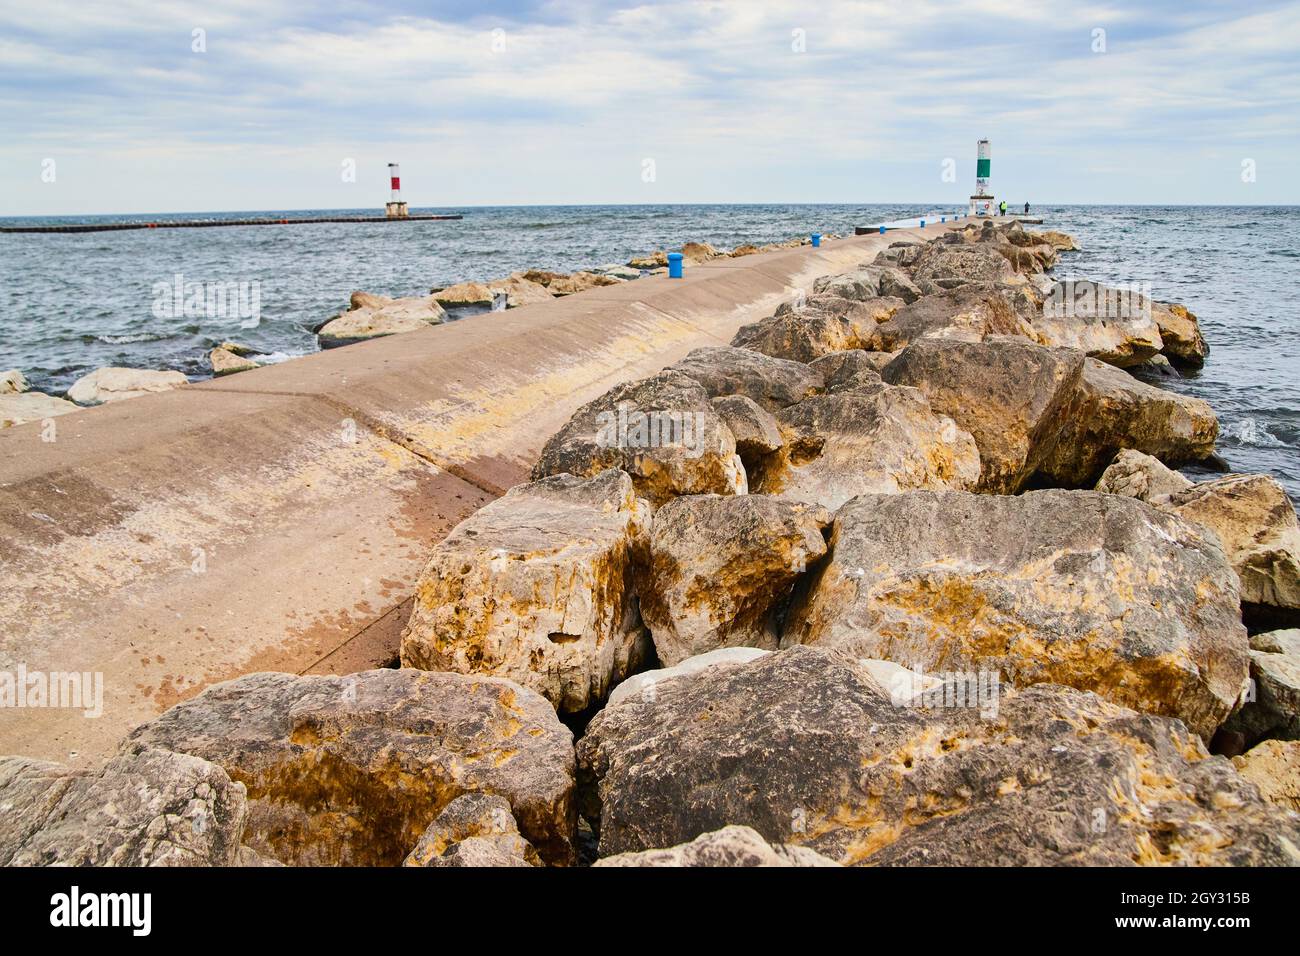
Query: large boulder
[(1256, 522), (538, 586), (855, 286), (869, 439), (1115, 411), (1135, 475), (1058, 240), (475, 829), (661, 430), (350, 771), (721, 568), (807, 748), (730, 846), (949, 266), (145, 807), (1112, 325), (1102, 593), (773, 383), (16, 409), (371, 316), (848, 371), (1180, 333), (810, 331), (1014, 397), (969, 313), (115, 384)]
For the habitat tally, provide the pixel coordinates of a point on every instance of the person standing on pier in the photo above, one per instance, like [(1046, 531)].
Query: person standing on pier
[(1026, 209), (1002, 208)]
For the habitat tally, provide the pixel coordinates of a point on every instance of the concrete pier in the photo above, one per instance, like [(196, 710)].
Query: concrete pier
[(276, 519)]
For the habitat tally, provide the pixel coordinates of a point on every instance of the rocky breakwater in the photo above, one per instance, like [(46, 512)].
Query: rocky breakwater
[(902, 576)]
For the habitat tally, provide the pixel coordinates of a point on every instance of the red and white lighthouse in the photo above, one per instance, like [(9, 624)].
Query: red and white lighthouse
[(395, 208)]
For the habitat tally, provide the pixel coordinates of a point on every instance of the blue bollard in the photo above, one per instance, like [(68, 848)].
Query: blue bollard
[(674, 265), (922, 223), (816, 239), (943, 218), (882, 230)]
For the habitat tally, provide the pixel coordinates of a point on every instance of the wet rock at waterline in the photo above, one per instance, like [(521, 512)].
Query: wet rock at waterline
[(538, 586), (1048, 776), (371, 316), (226, 362), (464, 293), (350, 771), (721, 567), (117, 384), (1114, 411)]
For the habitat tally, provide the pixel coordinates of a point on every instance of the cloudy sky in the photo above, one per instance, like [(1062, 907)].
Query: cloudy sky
[(146, 105)]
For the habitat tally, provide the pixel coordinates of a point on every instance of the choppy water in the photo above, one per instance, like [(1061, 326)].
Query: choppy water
[(72, 303)]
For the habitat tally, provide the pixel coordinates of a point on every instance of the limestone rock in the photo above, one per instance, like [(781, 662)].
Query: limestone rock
[(1014, 397), (856, 287), (655, 260), (1119, 330), (721, 567), (617, 271), (537, 587), (1135, 475), (748, 249), (647, 683), (1115, 411), (1059, 241), (31, 407), (580, 282), (950, 266), (807, 749), (12, 382), (1099, 592), (872, 439), (518, 291), (145, 807), (699, 252), (475, 829), (730, 846), (661, 430), (350, 771), (463, 293), (1274, 767), (755, 430), (773, 383), (850, 370), (374, 315), (1180, 333), (807, 333), (115, 384), (1256, 522), (969, 313), (226, 362)]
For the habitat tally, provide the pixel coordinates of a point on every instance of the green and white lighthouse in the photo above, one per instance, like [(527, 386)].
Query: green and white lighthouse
[(981, 204)]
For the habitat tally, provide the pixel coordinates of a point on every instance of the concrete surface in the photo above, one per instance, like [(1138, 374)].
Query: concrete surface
[(276, 519)]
